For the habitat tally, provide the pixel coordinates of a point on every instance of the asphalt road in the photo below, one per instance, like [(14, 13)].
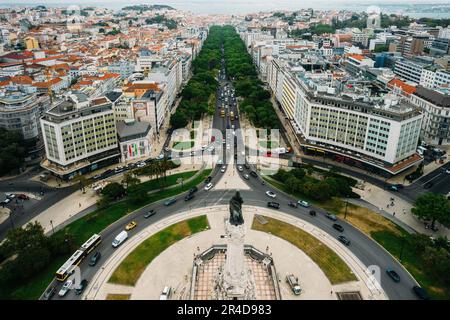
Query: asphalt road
[(368, 251)]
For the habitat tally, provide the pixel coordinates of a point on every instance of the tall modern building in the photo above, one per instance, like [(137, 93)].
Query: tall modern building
[(21, 112), (80, 136)]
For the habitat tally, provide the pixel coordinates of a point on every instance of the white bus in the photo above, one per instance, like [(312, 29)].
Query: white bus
[(67, 268), (91, 244)]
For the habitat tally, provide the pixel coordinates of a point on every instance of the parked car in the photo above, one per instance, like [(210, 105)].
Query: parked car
[(274, 205), (393, 275), (49, 293), (165, 294), (208, 186), (246, 177), (130, 225), (303, 203), (94, 259), (293, 204), (312, 213), (338, 227), (253, 174), (293, 284), (393, 188), (344, 240), (208, 180), (421, 293), (240, 169), (330, 216), (65, 288), (247, 166), (170, 202), (223, 169), (149, 213), (23, 197), (271, 194), (189, 196), (83, 284)]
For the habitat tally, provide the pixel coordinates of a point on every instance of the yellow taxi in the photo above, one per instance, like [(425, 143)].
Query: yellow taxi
[(131, 225)]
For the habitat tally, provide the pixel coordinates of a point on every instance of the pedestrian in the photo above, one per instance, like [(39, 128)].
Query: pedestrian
[(387, 206), (404, 211), (331, 292), (79, 205), (393, 214)]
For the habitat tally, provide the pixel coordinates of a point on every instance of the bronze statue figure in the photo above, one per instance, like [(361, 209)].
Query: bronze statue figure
[(236, 217)]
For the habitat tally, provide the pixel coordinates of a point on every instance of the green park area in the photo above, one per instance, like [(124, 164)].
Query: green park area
[(331, 264), (427, 261), (131, 268), (183, 145)]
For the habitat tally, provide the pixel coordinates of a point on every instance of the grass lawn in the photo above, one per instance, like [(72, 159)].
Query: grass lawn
[(387, 234), (118, 296), (183, 145), (268, 144), (331, 264), (82, 229), (155, 184), (131, 268)]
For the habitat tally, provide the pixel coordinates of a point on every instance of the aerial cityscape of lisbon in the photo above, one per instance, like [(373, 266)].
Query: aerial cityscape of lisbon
[(224, 150)]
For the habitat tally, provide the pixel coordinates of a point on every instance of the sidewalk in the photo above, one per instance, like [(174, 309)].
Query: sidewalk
[(380, 199)]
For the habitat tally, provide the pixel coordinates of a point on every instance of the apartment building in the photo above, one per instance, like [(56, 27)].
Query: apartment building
[(80, 136), (135, 139), (436, 108), (381, 135)]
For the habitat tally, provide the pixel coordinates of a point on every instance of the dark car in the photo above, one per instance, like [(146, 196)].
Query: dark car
[(193, 190), (247, 166), (421, 293), (428, 185), (312, 213), (399, 186), (170, 202), (274, 205), (189, 197), (94, 259), (23, 196), (83, 284), (393, 275), (208, 180), (150, 213), (344, 240), (253, 174), (49, 293), (393, 188), (338, 227), (331, 216), (293, 204)]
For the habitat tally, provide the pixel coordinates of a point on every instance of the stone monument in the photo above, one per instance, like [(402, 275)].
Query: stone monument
[(236, 279)]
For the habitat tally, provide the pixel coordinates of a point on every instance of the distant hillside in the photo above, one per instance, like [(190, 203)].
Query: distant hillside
[(146, 7)]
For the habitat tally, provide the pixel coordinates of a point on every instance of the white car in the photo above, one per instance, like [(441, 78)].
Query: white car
[(228, 146), (223, 169), (166, 149), (271, 194), (165, 294), (240, 169), (65, 288), (208, 186), (211, 148), (303, 203), (192, 153), (447, 171), (160, 157)]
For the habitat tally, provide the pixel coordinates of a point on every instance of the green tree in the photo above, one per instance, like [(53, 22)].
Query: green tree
[(432, 206), (129, 179), (113, 191)]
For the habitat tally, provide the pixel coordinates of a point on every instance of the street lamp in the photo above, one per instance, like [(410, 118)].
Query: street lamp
[(346, 205)]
